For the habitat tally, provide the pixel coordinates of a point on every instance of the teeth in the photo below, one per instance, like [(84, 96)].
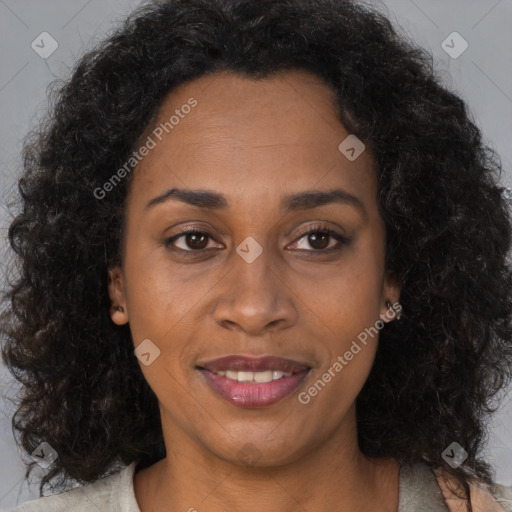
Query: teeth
[(258, 377), (245, 376), (263, 376)]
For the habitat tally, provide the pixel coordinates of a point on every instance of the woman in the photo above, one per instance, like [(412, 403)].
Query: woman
[(263, 263)]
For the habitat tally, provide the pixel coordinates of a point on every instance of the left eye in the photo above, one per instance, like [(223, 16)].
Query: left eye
[(319, 238)]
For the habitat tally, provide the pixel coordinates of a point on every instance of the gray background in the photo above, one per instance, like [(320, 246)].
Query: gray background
[(482, 76)]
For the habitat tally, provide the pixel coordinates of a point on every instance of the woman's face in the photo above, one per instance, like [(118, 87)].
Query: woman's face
[(250, 284)]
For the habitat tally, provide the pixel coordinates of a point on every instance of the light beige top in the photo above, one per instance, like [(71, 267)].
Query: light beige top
[(419, 491)]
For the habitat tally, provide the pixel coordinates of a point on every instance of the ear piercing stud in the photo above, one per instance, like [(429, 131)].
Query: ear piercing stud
[(394, 307)]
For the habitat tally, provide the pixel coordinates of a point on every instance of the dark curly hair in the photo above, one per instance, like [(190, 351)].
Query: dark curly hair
[(438, 372)]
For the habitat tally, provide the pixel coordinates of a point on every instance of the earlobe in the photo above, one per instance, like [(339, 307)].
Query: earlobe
[(393, 311), (391, 308), (118, 309)]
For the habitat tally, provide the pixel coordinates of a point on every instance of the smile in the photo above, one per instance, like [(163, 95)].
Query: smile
[(253, 382)]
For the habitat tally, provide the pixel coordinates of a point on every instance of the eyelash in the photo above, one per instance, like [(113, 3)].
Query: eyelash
[(342, 240)]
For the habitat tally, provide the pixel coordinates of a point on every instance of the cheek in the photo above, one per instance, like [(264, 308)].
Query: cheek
[(351, 342), (157, 296), (167, 305), (353, 292)]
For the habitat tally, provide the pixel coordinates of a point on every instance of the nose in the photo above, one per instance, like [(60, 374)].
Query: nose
[(255, 297)]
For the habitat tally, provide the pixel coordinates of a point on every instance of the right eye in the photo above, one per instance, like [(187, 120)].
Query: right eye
[(194, 240)]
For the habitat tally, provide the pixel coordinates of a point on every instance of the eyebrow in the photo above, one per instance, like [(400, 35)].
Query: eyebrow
[(211, 200)]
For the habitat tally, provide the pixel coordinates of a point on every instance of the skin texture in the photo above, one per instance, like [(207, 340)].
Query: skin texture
[(255, 142)]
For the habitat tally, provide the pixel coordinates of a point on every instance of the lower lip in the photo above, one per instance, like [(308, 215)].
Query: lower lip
[(244, 394)]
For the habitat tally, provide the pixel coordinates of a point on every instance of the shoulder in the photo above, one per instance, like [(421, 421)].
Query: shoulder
[(114, 492), (422, 486), (498, 498), (503, 495)]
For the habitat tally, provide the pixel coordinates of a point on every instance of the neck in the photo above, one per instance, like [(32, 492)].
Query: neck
[(332, 476)]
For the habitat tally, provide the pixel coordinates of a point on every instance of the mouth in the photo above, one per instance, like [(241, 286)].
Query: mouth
[(253, 382)]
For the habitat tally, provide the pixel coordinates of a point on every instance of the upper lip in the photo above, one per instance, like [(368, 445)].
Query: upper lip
[(254, 364)]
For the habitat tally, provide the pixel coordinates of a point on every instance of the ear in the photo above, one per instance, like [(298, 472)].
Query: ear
[(390, 293), (118, 308)]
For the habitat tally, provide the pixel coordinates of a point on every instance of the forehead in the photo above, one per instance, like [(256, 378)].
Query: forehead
[(251, 138)]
